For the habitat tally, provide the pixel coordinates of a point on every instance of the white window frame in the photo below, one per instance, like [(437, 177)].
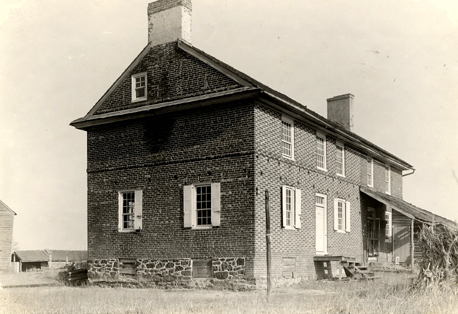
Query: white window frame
[(321, 136), (389, 224), (134, 87), (388, 179), (346, 216), (190, 211), (342, 155), (295, 207), (370, 171), (290, 122), (137, 211)]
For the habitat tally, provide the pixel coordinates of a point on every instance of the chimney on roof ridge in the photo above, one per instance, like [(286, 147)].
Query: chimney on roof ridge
[(169, 20), (340, 110)]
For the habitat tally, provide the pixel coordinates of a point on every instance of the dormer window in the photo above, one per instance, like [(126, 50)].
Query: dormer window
[(139, 87)]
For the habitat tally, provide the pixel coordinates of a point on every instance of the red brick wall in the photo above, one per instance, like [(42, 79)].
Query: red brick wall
[(161, 155), (379, 176), (273, 171), (396, 182), (171, 74)]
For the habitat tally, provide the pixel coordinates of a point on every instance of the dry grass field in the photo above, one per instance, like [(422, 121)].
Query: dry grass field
[(390, 294)]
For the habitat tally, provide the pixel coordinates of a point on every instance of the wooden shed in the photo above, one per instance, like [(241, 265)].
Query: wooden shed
[(6, 235), (401, 225), (31, 259), (38, 259)]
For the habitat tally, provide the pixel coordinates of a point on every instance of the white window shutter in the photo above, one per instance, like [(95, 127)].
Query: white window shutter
[(336, 214), (120, 199), (187, 206), (283, 206), (347, 217), (216, 204), (138, 218), (298, 212)]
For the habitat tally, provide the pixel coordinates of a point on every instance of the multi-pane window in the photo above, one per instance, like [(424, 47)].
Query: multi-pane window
[(340, 159), (287, 137), (140, 84), (203, 205), (139, 87), (370, 170), (341, 215), (388, 179), (291, 207), (321, 152), (319, 200), (128, 210)]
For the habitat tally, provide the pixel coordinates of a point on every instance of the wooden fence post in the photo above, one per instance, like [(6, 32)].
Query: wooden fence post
[(268, 253)]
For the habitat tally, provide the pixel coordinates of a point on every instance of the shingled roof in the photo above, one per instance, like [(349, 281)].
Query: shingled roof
[(32, 256), (409, 209), (246, 87)]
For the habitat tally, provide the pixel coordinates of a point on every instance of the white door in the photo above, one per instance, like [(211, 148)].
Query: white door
[(321, 232)]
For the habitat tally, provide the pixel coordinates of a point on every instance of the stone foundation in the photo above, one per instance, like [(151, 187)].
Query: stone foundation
[(167, 271), (229, 268), (104, 269), (176, 269)]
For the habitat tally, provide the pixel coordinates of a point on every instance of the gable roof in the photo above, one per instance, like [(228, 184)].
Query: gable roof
[(408, 209), (32, 256), (246, 87), (4, 207)]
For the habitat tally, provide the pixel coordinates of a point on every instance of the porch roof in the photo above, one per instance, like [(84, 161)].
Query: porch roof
[(408, 209)]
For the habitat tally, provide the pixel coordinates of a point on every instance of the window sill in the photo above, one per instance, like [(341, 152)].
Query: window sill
[(341, 231), (128, 230), (139, 99), (202, 228), (290, 228), (340, 175), (322, 169), (288, 157)]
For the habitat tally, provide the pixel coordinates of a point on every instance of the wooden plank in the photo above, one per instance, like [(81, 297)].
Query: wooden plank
[(329, 258), (202, 268)]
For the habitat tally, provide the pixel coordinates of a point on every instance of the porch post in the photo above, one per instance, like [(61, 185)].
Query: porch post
[(412, 246)]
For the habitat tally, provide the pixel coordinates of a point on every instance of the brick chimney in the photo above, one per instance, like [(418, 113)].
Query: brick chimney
[(340, 110), (169, 20)]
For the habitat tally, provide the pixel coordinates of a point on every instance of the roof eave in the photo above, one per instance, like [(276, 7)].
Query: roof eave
[(301, 112), (166, 107)]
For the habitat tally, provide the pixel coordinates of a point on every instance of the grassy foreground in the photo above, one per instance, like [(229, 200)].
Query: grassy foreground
[(389, 294)]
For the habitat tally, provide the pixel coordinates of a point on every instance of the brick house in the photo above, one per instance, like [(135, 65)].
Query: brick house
[(182, 148), (6, 235)]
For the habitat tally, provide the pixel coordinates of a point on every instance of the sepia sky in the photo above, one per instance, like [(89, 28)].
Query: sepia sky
[(57, 58)]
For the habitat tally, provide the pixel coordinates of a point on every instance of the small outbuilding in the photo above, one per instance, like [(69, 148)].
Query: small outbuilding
[(38, 259)]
